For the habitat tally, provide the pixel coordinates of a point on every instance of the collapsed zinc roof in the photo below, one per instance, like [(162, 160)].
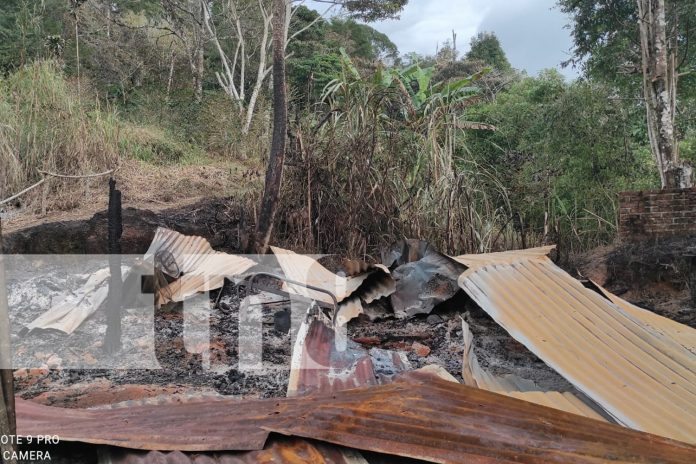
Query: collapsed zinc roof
[(641, 376)]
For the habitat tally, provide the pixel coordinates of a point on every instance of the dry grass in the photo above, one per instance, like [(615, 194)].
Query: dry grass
[(145, 186), (47, 125)]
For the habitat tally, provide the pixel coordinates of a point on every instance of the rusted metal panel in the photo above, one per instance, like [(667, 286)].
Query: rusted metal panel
[(280, 450), (418, 416), (642, 378), (319, 365)]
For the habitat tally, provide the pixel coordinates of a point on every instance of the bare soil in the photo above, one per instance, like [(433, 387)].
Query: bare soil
[(656, 274), (144, 186)]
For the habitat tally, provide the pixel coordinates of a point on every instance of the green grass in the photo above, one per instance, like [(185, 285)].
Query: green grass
[(154, 145)]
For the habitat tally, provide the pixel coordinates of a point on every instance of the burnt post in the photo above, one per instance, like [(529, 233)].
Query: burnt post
[(8, 424), (691, 274), (112, 339)]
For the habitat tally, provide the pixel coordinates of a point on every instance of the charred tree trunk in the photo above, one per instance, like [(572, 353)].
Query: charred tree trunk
[(112, 339), (660, 89), (274, 172), (7, 403), (198, 60)]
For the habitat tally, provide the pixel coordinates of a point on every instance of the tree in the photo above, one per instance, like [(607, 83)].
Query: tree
[(660, 77), (274, 172), (314, 55), (366, 9), (620, 40), (564, 150), (486, 48), (185, 20), (362, 41), (25, 27), (369, 10)]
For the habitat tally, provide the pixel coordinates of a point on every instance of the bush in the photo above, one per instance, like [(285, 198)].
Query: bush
[(46, 125)]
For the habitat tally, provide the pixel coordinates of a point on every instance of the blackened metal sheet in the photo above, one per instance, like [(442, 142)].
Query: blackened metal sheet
[(424, 277), (419, 416)]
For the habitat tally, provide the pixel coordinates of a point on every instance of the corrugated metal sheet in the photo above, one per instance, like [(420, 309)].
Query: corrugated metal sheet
[(419, 416), (642, 378), (374, 283), (196, 266), (304, 269), (475, 376), (504, 257), (682, 334), (318, 365), (278, 450), (67, 314)]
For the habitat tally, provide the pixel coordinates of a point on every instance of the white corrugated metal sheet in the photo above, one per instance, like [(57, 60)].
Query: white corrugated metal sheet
[(642, 377), (503, 257), (300, 268), (201, 268)]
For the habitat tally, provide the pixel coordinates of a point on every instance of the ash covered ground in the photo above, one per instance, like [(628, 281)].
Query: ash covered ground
[(49, 378)]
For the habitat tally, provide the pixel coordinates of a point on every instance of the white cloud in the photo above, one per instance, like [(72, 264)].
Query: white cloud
[(531, 31)]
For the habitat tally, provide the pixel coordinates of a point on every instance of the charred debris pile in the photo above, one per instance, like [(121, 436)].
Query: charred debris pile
[(500, 357)]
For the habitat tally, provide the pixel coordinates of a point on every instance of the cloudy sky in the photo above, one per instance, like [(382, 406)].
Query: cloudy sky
[(531, 31)]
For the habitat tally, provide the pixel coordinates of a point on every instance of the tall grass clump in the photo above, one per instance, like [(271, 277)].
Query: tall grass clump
[(46, 125), (380, 160)]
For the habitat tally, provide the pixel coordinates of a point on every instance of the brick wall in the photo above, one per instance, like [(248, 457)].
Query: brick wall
[(657, 214)]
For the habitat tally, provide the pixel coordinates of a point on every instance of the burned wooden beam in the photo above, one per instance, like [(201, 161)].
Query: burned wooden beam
[(112, 340)]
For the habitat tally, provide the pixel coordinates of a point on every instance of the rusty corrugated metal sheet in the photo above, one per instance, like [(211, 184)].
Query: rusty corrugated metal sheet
[(197, 267), (418, 416), (475, 376), (318, 365), (278, 450), (643, 379)]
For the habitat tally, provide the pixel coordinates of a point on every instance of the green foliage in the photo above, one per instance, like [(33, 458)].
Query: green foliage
[(606, 37), (361, 41), (315, 53), (388, 150), (565, 150), (311, 75), (157, 146), (373, 10), (380, 160), (486, 48), (45, 126), (29, 30)]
